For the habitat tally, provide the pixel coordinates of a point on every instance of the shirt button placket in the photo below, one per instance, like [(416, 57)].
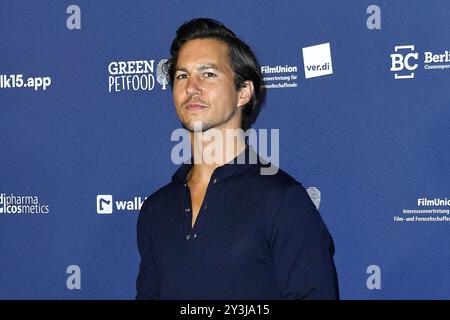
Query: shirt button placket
[(187, 210)]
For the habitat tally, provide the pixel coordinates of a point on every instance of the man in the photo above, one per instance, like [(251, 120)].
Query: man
[(221, 229)]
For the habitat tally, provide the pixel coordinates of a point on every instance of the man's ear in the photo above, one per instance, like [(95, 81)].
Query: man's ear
[(245, 93)]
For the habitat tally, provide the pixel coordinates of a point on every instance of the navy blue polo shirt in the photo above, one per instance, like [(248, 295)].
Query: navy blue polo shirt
[(256, 237)]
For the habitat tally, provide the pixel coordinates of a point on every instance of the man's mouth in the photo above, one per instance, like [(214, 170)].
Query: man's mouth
[(195, 106)]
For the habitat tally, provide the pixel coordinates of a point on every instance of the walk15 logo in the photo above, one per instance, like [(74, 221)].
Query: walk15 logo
[(136, 75), (22, 204), (106, 204), (405, 60)]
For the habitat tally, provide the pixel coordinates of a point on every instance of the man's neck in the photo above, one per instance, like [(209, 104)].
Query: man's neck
[(209, 153)]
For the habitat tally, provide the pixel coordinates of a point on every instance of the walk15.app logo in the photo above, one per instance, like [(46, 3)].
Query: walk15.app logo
[(107, 205), (406, 60), (136, 75)]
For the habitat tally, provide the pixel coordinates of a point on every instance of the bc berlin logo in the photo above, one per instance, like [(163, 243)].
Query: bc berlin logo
[(403, 62)]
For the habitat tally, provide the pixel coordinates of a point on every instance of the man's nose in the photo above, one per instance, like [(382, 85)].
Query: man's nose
[(193, 86)]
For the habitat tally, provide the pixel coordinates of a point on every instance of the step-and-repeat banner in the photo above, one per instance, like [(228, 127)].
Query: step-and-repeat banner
[(358, 91)]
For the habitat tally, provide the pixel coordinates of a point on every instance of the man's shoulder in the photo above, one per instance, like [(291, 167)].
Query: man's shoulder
[(276, 179), (159, 197)]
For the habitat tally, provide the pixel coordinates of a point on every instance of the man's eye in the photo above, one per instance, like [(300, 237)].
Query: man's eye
[(209, 75), (181, 76)]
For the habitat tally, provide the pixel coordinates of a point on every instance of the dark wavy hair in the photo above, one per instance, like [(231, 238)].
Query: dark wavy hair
[(242, 60)]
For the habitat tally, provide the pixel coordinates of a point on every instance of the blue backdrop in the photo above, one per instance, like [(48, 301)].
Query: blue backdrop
[(79, 141)]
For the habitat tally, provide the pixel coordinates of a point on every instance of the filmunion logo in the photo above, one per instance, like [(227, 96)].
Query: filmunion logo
[(27, 204), (405, 61), (436, 202), (106, 205), (136, 75), (279, 77), (401, 61), (317, 60)]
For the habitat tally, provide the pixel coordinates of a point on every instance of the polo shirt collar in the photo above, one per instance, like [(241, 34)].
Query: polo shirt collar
[(242, 162)]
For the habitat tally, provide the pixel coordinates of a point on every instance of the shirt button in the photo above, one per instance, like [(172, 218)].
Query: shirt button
[(187, 209), (215, 180), (205, 207), (195, 235), (185, 185), (188, 237)]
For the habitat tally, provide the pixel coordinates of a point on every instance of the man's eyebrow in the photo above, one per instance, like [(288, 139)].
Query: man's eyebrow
[(201, 67), (180, 69), (207, 66)]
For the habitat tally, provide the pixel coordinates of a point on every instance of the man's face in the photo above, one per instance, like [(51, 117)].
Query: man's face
[(203, 88)]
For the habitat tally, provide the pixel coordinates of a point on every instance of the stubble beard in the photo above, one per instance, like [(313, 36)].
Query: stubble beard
[(202, 126)]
